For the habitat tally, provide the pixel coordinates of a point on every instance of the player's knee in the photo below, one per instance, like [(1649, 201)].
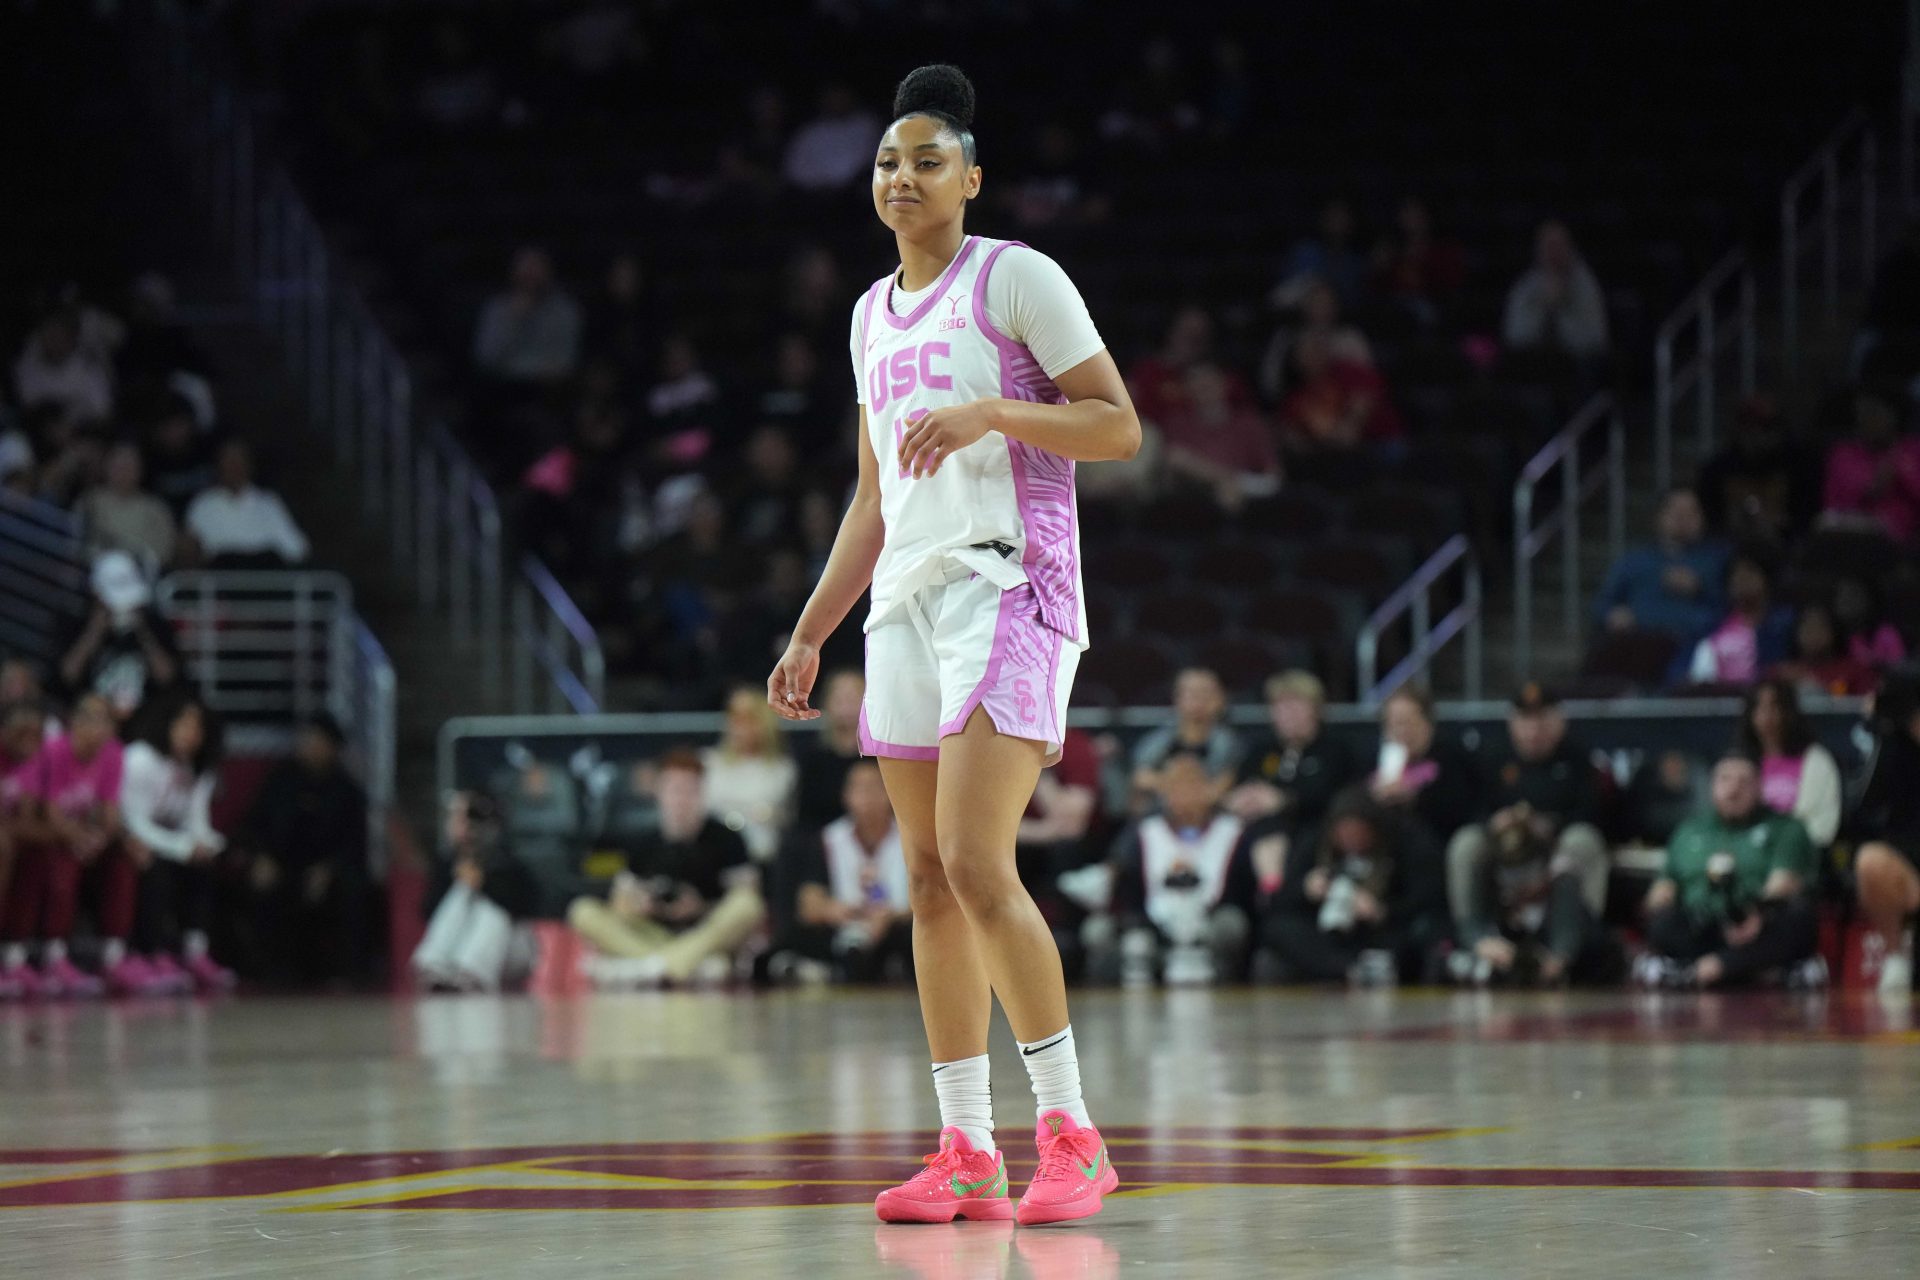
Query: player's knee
[(981, 886)]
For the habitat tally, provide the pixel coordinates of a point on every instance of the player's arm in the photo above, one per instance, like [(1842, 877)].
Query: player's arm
[(1097, 424), (856, 549)]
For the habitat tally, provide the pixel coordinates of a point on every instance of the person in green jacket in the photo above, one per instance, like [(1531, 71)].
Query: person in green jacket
[(1733, 902)]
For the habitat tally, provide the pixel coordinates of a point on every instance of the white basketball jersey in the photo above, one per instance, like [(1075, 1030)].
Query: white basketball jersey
[(999, 507), (859, 880), (1208, 855)]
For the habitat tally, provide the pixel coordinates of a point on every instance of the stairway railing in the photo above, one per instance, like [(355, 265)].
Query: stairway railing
[(1564, 454), (1843, 171), (1690, 355), (1414, 600)]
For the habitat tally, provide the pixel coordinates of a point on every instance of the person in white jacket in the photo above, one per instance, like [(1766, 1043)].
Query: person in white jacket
[(1798, 776), (166, 803)]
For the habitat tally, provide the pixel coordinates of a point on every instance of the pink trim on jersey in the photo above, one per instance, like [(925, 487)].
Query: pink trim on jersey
[(1042, 480), (934, 295), (872, 746)]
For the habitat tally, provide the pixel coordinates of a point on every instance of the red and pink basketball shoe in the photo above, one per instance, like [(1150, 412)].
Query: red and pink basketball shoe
[(1074, 1173), (958, 1182)]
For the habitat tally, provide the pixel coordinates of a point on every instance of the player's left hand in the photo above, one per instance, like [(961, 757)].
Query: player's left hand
[(938, 434)]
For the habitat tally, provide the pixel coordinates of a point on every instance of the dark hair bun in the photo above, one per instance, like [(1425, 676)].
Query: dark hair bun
[(938, 88)]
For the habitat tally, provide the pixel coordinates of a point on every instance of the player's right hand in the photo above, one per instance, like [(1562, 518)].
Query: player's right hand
[(791, 683)]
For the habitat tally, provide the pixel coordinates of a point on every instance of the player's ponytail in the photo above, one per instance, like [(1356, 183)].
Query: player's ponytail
[(942, 92)]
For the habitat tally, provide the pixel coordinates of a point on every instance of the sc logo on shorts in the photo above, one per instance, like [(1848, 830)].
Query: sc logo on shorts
[(1024, 703)]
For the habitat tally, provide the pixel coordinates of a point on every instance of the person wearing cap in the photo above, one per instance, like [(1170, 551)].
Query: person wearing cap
[(1732, 904), (124, 651), (1297, 769), (1528, 882)]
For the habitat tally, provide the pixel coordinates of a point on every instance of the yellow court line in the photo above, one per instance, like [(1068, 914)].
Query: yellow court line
[(1898, 1144), (133, 1166)]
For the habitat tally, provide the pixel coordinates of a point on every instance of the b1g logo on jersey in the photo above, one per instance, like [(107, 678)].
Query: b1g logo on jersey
[(954, 319), (900, 374)]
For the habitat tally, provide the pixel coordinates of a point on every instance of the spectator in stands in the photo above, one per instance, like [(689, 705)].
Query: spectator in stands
[(1886, 828), (572, 494), (797, 398), (474, 940), (1416, 267), (179, 457), (1318, 313), (20, 682), (312, 889), (812, 297), (749, 777), (119, 515), (685, 400), (166, 801), (1182, 899), (1434, 783), (763, 503), (529, 333), (159, 362), (821, 765), (22, 737), (1764, 485), (1557, 304), (1529, 884), (67, 454), (1862, 618), (1329, 256), (1297, 768), (1199, 727), (1054, 191), (1211, 442), (834, 148), (1817, 663), (79, 796), (59, 368), (1674, 585), (1062, 826), (125, 650), (1337, 404), (621, 323), (1752, 636), (688, 898), (236, 524), (1798, 776), (1158, 382), (1665, 790), (1873, 477), (1732, 904), (850, 915), (1363, 902)]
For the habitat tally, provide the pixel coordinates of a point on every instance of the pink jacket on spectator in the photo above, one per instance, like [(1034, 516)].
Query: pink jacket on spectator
[(77, 789), (1851, 468)]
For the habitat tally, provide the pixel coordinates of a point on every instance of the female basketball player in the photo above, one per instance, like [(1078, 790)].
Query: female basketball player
[(981, 382)]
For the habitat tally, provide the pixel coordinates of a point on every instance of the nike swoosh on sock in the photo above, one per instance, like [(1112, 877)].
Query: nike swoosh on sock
[(1043, 1047)]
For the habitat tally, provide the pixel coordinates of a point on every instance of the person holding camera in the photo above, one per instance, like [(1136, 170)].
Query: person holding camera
[(1363, 902), (473, 941), (1528, 886), (1886, 827), (845, 905), (1732, 905)]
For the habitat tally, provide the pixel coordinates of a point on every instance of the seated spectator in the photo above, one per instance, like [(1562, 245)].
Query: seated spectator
[(22, 736), (1158, 382), (1416, 267), (1361, 903), (59, 368), (1763, 485), (1817, 663), (78, 855), (763, 502), (1873, 477), (1336, 404), (835, 148), (1055, 190), (1199, 727), (684, 401), (238, 525), (312, 890), (749, 777), (1665, 790), (1885, 827), (1557, 304), (1528, 886), (19, 682), (1330, 256), (166, 802), (119, 515), (1753, 635), (798, 398), (850, 918), (178, 457), (529, 333), (1182, 900), (572, 494), (1319, 313), (821, 766), (1212, 443), (688, 898), (1297, 768), (474, 939), (1434, 784), (622, 323), (1869, 637), (1674, 585), (1732, 905), (1798, 776), (124, 651)]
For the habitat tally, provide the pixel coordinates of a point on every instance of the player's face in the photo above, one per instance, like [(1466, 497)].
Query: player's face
[(921, 181)]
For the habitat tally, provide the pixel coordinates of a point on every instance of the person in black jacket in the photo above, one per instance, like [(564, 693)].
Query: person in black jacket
[(1886, 825), (473, 940), (311, 891), (1297, 769), (1430, 781), (1362, 901)]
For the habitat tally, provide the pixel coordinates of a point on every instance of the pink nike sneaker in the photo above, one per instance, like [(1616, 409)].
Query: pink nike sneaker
[(22, 982), (958, 1182), (210, 976), (1073, 1176), (132, 976), (62, 977), (168, 977)]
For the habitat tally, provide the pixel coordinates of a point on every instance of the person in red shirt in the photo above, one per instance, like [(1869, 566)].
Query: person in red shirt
[(1213, 442), (1416, 266), (1336, 404), (1818, 663), (1158, 382)]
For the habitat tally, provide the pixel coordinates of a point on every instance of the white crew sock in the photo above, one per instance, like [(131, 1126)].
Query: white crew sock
[(966, 1099), (1054, 1068), (53, 952), (194, 944), (112, 952)]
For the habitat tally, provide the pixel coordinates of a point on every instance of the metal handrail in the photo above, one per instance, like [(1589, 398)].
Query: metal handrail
[(1414, 598), (1856, 133), (1700, 317), (43, 575), (1529, 540), (548, 644)]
